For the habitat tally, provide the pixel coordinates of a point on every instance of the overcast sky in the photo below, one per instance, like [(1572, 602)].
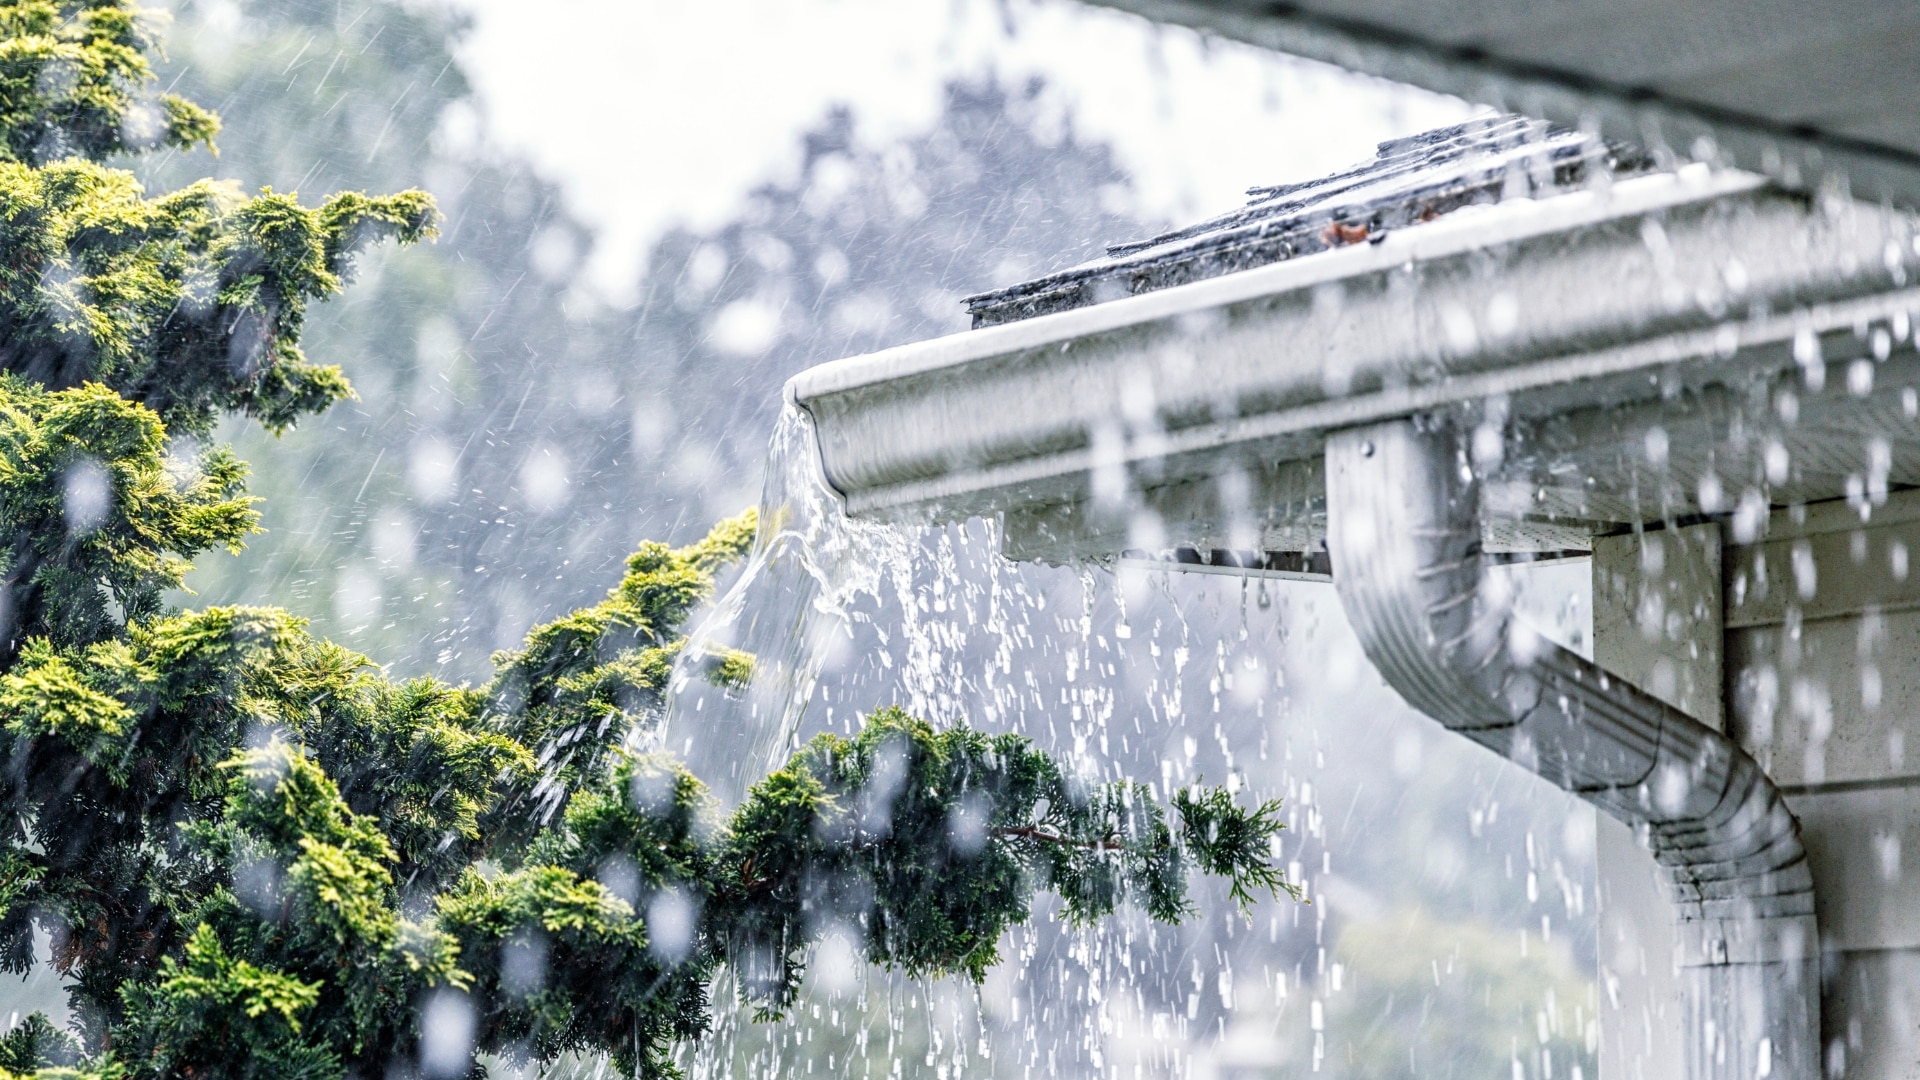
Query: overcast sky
[(652, 112)]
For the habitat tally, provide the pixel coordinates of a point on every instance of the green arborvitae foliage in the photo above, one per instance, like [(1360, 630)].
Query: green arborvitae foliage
[(75, 83), (931, 843), (190, 303), (934, 841), (93, 510), (258, 855)]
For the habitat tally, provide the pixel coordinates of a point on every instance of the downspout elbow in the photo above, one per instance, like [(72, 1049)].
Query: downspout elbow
[(1403, 531)]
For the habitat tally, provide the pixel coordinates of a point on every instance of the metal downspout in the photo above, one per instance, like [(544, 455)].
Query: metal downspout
[(1403, 532)]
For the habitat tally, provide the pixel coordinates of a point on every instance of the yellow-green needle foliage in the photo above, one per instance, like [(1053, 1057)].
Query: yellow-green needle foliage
[(191, 302), (256, 855), (74, 82)]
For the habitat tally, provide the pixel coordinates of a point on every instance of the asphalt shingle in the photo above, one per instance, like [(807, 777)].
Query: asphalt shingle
[(1408, 181)]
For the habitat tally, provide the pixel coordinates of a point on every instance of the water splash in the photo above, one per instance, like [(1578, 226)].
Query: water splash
[(788, 609), (1161, 678)]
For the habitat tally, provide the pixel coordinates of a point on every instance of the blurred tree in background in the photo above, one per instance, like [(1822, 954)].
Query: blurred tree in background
[(384, 523), (515, 435), (1460, 992)]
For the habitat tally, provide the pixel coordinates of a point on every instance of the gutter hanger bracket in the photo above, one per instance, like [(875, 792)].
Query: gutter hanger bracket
[(1403, 533)]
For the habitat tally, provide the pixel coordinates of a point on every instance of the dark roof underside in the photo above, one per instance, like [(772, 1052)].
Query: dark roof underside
[(1794, 89)]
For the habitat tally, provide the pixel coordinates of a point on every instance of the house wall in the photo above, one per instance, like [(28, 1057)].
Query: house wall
[(1808, 644), (1656, 621), (1823, 686)]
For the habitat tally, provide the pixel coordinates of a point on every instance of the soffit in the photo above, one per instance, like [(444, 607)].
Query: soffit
[(1800, 91)]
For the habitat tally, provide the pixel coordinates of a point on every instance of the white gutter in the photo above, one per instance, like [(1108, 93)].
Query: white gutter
[(1403, 532), (1575, 299)]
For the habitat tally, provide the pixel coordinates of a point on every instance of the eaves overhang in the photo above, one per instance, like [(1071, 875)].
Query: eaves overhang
[(1708, 303)]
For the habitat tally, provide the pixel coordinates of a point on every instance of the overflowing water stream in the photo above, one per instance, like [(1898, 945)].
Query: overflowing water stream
[(1452, 914), (788, 608)]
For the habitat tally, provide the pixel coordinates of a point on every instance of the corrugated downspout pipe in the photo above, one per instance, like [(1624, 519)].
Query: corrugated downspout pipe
[(1403, 532)]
